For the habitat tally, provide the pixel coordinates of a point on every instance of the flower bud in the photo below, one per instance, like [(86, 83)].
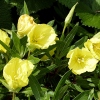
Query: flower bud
[(25, 23), (70, 15)]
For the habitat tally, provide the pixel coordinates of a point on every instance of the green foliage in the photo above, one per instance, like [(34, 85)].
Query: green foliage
[(5, 15), (33, 6), (35, 87), (60, 84), (89, 13), (68, 3), (51, 79)]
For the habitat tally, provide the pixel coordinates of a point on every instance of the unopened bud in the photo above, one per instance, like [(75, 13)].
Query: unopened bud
[(70, 15)]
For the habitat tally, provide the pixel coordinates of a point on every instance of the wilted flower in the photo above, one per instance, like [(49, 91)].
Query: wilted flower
[(16, 72), (25, 23), (41, 37), (81, 60), (4, 38), (93, 45)]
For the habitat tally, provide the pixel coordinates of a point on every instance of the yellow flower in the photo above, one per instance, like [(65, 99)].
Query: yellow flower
[(41, 36), (16, 73), (81, 60), (25, 23), (93, 45), (4, 38)]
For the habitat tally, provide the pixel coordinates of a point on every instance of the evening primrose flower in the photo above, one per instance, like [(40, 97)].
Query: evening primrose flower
[(4, 38), (81, 60), (93, 45), (41, 36), (16, 73), (25, 23)]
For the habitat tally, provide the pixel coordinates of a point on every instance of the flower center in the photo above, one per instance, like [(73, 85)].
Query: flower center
[(34, 40), (80, 60)]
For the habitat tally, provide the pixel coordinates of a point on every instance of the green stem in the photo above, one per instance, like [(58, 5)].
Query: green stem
[(28, 97), (62, 36), (13, 96), (28, 53)]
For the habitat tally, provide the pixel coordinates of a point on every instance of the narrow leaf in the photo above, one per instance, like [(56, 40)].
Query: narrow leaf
[(16, 41), (60, 84), (82, 96), (9, 50), (91, 95), (33, 59), (80, 42), (46, 70), (68, 40), (24, 9), (35, 86), (66, 97), (51, 23)]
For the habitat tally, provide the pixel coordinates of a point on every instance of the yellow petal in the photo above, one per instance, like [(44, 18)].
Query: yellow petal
[(4, 38), (16, 72), (41, 36), (81, 60), (93, 45), (25, 23)]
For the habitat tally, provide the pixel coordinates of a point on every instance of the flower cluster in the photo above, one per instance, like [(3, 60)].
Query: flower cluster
[(39, 36), (85, 59)]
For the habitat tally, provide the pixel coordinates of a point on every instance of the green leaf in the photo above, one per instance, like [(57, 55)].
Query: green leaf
[(46, 70), (91, 95), (32, 5), (46, 96), (82, 96), (68, 3), (80, 42), (24, 9), (9, 50), (16, 41), (74, 86), (36, 88), (5, 15), (62, 91), (28, 91), (36, 5), (5, 83), (60, 84), (89, 13), (33, 59), (67, 41), (51, 23), (67, 97), (78, 88), (16, 98)]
